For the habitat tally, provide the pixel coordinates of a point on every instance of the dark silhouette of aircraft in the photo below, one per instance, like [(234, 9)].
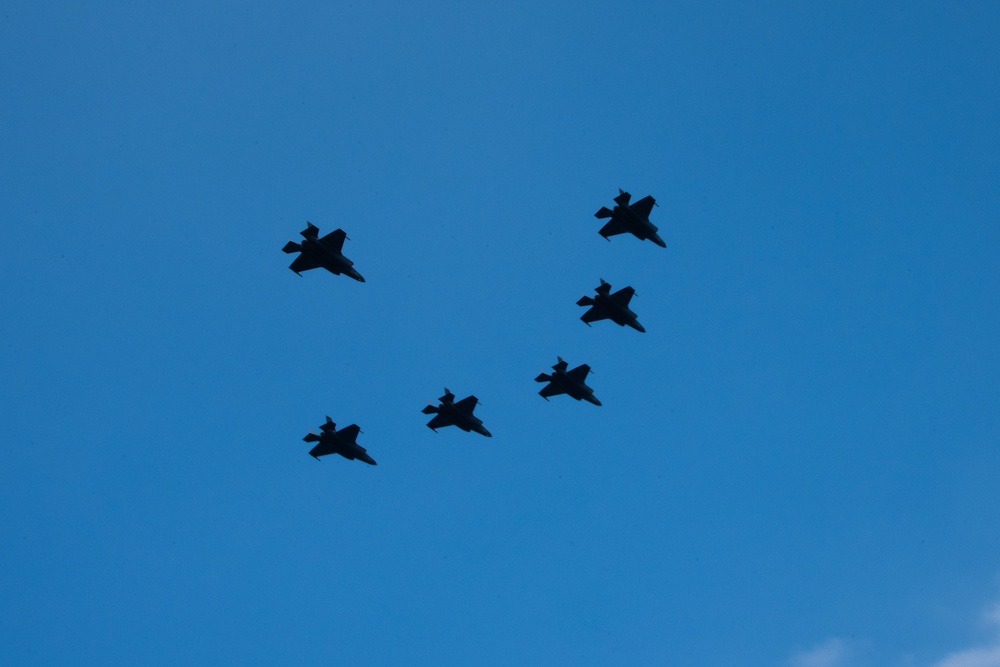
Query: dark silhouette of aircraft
[(608, 306), (567, 382), (326, 252), (633, 219), (450, 413), (343, 442)]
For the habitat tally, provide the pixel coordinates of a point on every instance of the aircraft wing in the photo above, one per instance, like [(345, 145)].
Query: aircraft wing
[(439, 421), (349, 433), (579, 374), (467, 404), (623, 296), (551, 389), (324, 448), (613, 228), (595, 314), (334, 240), (643, 207), (304, 262)]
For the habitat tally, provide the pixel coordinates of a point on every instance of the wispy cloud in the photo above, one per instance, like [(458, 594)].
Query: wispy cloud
[(836, 652), (984, 656), (831, 653)]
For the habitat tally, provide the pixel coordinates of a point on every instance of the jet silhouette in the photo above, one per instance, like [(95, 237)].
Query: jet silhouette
[(567, 382), (633, 219), (326, 252), (450, 413), (608, 306), (343, 442)]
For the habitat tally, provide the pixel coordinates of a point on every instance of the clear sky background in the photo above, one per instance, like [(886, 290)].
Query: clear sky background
[(796, 466)]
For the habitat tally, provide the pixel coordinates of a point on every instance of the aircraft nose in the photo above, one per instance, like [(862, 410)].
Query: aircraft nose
[(639, 328), (593, 399)]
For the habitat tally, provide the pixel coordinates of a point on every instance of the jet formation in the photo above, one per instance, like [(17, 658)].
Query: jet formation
[(327, 252), (343, 442), (571, 382), (633, 219), (607, 306)]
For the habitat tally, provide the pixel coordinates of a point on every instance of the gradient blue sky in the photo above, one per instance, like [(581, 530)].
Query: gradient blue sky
[(796, 466)]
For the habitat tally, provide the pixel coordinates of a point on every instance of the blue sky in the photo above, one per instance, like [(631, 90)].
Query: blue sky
[(795, 466)]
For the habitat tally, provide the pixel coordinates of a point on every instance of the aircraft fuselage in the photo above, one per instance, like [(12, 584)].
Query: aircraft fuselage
[(334, 444), (619, 314), (640, 226), (463, 420), (577, 390), (332, 261)]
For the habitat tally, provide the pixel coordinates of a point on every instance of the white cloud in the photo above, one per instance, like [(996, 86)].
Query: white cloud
[(831, 653), (988, 656), (976, 657), (836, 652)]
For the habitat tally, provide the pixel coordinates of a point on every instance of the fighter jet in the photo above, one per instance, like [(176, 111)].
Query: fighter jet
[(567, 382), (459, 414), (633, 219), (343, 442), (326, 252), (608, 306)]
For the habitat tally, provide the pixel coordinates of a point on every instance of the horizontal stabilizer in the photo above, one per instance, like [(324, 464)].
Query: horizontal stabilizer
[(430, 410), (623, 198), (544, 377), (291, 247), (585, 301), (310, 232), (311, 437), (605, 212), (329, 426)]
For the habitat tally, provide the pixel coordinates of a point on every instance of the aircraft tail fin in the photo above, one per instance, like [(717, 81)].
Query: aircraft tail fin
[(311, 437), (291, 247), (430, 410), (604, 212)]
